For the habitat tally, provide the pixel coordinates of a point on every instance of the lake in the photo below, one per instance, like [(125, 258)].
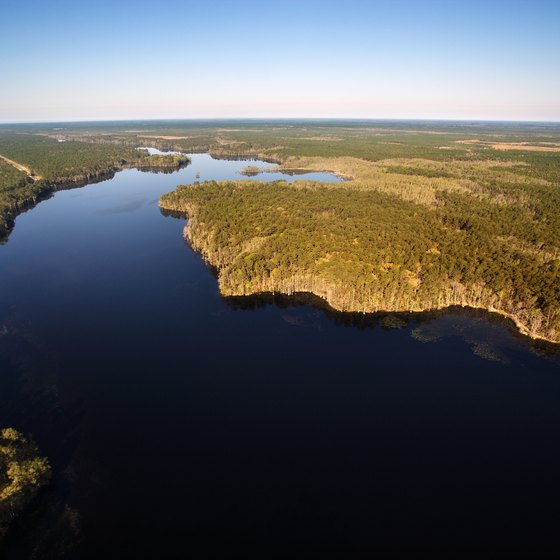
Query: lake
[(181, 424)]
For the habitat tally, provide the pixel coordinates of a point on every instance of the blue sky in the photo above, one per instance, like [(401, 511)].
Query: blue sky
[(463, 59)]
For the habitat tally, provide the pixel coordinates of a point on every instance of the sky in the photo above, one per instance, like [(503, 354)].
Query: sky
[(421, 59)]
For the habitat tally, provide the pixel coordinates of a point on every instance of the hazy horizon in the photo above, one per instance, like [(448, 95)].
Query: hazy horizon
[(404, 60), (278, 119)]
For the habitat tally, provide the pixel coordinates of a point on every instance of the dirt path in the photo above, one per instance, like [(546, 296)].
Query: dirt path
[(21, 167)]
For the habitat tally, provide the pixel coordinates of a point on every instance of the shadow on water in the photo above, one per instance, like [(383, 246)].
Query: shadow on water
[(172, 214), (477, 327)]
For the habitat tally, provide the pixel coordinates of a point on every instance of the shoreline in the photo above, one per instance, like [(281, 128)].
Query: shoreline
[(521, 327)]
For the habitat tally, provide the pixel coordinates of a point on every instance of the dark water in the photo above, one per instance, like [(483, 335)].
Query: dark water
[(181, 425)]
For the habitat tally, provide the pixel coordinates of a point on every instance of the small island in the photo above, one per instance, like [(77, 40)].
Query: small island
[(23, 472), (162, 162), (250, 171)]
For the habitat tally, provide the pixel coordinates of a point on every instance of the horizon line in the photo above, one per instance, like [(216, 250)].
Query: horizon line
[(276, 118)]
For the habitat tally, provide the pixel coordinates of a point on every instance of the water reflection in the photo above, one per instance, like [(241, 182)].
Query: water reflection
[(484, 332)]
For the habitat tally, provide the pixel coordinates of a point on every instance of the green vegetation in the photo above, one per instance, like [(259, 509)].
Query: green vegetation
[(22, 473), (10, 176), (163, 162), (69, 161), (370, 140)]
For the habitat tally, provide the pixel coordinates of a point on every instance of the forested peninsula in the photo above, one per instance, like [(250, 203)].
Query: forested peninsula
[(363, 251)]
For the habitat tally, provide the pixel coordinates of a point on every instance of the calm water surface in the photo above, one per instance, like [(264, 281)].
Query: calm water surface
[(183, 425)]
